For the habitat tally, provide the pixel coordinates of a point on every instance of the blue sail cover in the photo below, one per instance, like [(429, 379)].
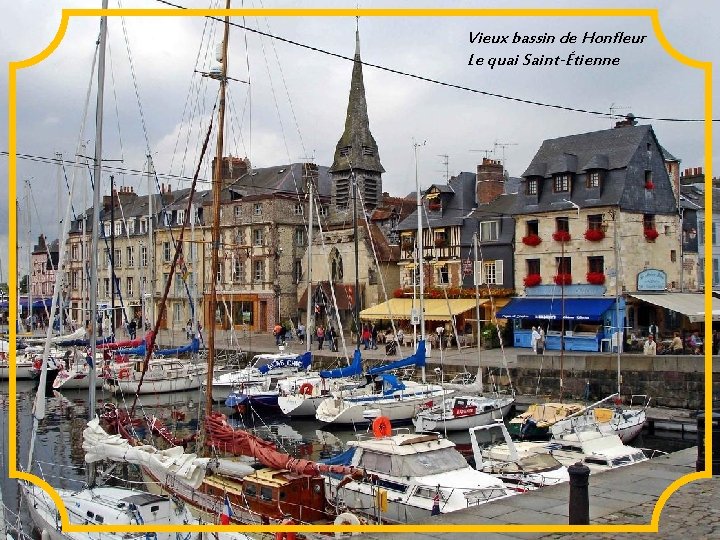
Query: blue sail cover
[(300, 361), (345, 458), (391, 383), (83, 342), (139, 350), (192, 347), (416, 359), (355, 368)]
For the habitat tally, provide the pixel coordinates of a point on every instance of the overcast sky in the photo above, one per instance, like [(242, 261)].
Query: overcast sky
[(294, 109)]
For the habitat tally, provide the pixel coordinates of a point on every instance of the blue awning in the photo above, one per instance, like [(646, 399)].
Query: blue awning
[(575, 309)]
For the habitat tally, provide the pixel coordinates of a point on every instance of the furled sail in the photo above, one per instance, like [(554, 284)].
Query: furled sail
[(355, 368), (416, 359)]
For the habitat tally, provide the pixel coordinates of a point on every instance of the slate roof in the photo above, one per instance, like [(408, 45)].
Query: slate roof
[(276, 180)]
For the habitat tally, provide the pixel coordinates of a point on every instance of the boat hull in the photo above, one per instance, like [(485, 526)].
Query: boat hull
[(440, 422)]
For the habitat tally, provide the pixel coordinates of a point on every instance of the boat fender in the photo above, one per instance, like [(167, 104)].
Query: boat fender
[(124, 373), (305, 389), (286, 535), (346, 518), (381, 427)]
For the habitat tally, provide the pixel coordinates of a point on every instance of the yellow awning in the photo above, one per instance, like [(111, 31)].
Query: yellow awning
[(435, 309)]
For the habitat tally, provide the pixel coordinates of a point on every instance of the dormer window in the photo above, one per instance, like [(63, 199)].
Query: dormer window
[(593, 179), (532, 186), (561, 183)]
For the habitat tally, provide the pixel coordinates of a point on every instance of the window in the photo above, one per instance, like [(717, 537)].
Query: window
[(237, 211), (533, 266), (143, 256), (220, 276), (488, 231), (238, 270), (106, 287), (561, 183), (166, 251), (593, 179), (258, 272), (673, 255), (596, 264), (716, 273), (179, 285), (106, 230), (75, 279), (648, 221), (118, 228), (594, 222), (489, 272), (299, 236), (532, 227), (118, 259), (563, 265), (701, 232), (143, 284), (532, 186), (562, 224), (297, 271), (75, 252), (177, 312), (257, 209), (443, 275), (714, 234), (440, 238), (298, 209), (266, 493), (258, 237), (648, 177), (336, 265), (701, 270), (130, 252), (323, 210), (130, 226), (143, 226), (166, 218), (130, 286), (180, 217)]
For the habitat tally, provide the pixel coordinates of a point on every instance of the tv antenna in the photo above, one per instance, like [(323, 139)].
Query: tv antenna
[(446, 162), (613, 112), (486, 152), (502, 146)]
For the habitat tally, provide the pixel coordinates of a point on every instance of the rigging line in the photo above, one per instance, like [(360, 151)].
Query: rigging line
[(115, 98), (249, 94), (284, 81), (444, 83)]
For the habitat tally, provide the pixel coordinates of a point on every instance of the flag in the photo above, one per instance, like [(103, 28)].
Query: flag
[(436, 504), (226, 513)]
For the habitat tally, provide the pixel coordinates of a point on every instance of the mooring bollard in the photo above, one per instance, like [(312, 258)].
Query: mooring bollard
[(579, 504)]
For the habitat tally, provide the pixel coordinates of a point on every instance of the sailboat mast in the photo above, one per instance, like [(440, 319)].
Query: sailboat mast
[(216, 187), (112, 254), (419, 243), (476, 276), (620, 327), (308, 276), (97, 165), (357, 262), (30, 264)]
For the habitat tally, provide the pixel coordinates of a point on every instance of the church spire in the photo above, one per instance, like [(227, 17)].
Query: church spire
[(357, 148)]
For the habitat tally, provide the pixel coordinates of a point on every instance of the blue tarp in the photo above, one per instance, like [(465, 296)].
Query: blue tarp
[(192, 347), (574, 309), (139, 350), (84, 342), (344, 458), (416, 359), (355, 368), (300, 361)]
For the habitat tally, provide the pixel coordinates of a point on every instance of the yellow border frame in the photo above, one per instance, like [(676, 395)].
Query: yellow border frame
[(706, 67)]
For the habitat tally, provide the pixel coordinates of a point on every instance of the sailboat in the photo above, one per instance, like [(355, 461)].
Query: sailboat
[(102, 505)]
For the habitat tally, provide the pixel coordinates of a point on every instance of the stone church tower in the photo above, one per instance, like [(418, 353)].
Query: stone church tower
[(356, 152)]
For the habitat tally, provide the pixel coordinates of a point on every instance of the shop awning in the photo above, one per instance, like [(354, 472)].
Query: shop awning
[(435, 309), (575, 309), (692, 305)]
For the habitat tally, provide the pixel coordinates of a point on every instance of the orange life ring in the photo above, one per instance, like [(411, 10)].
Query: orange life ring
[(381, 427), (124, 373), (305, 389)]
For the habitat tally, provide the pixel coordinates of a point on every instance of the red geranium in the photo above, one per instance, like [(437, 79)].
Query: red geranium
[(649, 184), (532, 280), (531, 240), (594, 235), (561, 236), (399, 292), (563, 279), (595, 278), (651, 234)]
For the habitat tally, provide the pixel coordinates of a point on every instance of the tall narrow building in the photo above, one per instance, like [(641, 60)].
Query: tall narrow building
[(356, 152)]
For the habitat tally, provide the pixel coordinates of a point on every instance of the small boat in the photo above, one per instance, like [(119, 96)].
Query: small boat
[(23, 364), (535, 423), (162, 375), (75, 374), (463, 412), (409, 477), (521, 465)]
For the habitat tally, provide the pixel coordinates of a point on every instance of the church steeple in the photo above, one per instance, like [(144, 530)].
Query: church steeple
[(357, 150)]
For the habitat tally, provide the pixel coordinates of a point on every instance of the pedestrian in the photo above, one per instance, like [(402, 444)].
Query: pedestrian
[(276, 332), (400, 337), (301, 333), (676, 347), (332, 339), (132, 329), (320, 334), (650, 347), (373, 337), (541, 341), (366, 337), (189, 330), (695, 343), (653, 331), (534, 336)]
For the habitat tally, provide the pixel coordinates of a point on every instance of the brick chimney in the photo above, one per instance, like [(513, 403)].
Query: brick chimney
[(232, 169), (490, 181)]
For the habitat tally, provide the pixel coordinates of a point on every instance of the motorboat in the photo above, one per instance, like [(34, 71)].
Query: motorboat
[(463, 412), (409, 477), (162, 375)]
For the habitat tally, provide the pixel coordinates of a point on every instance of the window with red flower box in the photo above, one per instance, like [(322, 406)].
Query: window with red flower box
[(532, 280), (561, 236), (563, 279), (595, 278), (531, 240), (651, 234), (594, 235), (649, 185)]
